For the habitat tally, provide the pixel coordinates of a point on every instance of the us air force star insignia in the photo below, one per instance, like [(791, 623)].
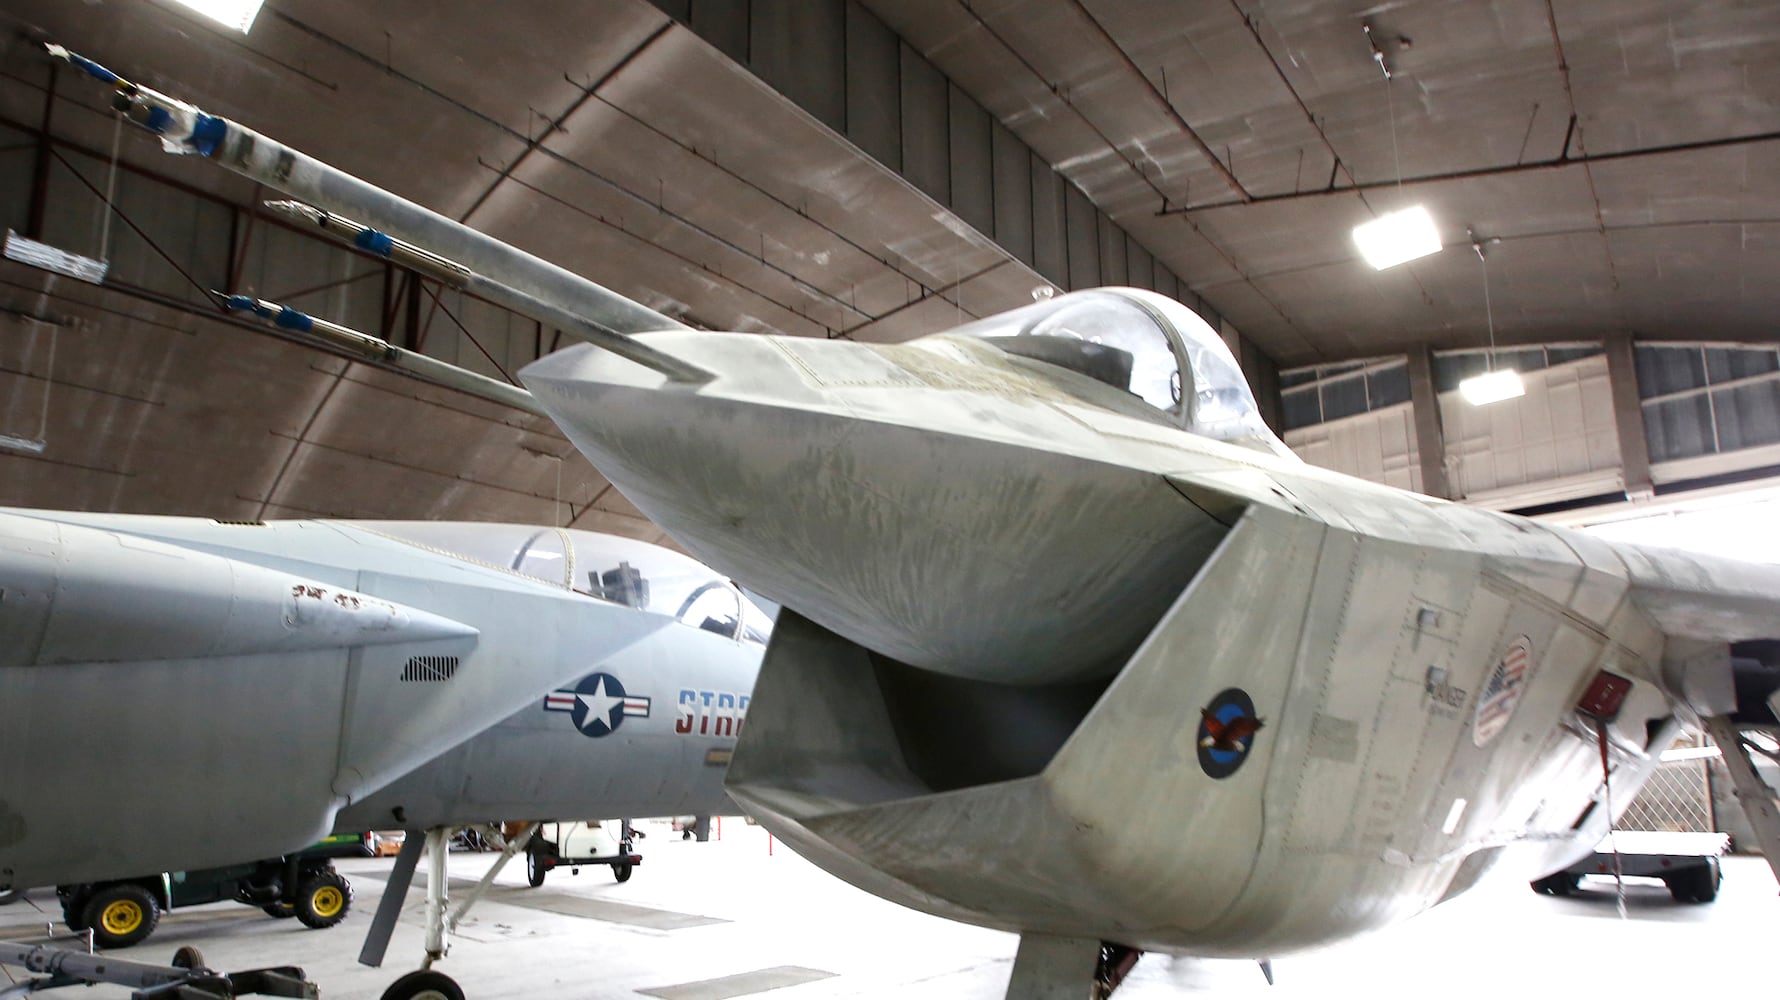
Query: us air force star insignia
[(597, 705)]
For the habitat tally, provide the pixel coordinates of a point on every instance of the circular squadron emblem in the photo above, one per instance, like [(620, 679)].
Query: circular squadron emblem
[(1227, 729), (1502, 691)]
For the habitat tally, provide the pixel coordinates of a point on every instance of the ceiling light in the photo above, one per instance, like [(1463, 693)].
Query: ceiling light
[(1492, 387), (1397, 236), (237, 14)]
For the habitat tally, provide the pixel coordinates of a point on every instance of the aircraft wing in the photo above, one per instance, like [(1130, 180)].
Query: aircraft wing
[(1692, 595)]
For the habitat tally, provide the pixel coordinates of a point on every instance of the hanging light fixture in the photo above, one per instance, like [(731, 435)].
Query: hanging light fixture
[(237, 14), (1407, 233), (1492, 386)]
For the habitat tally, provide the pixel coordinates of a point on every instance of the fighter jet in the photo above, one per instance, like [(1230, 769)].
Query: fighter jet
[(1074, 647), (648, 732), (268, 682)]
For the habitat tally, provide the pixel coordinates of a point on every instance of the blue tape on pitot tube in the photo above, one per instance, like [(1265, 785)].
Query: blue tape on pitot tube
[(207, 134), (93, 69), (378, 243), (290, 319), (158, 120), (246, 303)]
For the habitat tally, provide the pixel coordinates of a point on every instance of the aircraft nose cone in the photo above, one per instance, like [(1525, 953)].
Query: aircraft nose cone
[(938, 547), (701, 459)]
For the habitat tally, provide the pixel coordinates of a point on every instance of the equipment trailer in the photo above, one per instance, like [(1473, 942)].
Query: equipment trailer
[(1685, 862)]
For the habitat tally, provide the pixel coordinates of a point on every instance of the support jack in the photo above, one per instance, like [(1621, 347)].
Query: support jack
[(188, 978)]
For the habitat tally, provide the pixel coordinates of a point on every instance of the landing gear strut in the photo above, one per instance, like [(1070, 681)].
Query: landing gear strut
[(428, 983), (1055, 968)]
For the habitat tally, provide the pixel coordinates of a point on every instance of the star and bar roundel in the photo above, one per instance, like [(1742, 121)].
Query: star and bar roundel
[(598, 705)]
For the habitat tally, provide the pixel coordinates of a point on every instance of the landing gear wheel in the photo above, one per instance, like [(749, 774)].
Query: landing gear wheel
[(11, 896), (188, 958), (324, 899), (621, 872), (424, 985), (534, 870), (121, 915), (1560, 884), (280, 911), (1696, 885)]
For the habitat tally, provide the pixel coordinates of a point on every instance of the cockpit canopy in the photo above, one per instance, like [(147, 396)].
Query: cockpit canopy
[(1146, 344), (621, 570)]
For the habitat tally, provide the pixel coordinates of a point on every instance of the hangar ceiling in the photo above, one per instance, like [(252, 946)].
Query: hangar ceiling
[(1624, 154)]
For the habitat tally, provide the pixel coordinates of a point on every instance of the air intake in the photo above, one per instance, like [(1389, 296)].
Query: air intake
[(429, 668)]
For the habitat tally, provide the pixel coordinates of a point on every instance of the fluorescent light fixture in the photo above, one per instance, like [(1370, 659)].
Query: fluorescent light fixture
[(1492, 387), (237, 14), (1398, 236)]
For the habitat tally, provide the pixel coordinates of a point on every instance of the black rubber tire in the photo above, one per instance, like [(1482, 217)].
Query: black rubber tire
[(621, 872), (121, 915), (424, 985), (10, 896), (1710, 878), (1696, 885), (1559, 884), (188, 957), (279, 911), (324, 899), (534, 870)]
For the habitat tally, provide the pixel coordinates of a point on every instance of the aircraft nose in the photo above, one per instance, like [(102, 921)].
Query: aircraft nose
[(881, 528), (690, 455)]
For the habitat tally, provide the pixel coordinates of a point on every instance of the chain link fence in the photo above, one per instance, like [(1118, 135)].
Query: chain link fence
[(1677, 799)]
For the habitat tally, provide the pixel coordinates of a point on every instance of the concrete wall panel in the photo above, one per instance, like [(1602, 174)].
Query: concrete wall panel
[(723, 23), (800, 49), (972, 176), (1112, 253), (1012, 181), (925, 135), (874, 87), (1140, 267), (1050, 248), (1082, 234)]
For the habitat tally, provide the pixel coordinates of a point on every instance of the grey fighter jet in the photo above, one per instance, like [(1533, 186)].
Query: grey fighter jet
[(263, 677), (269, 682), (1072, 646)]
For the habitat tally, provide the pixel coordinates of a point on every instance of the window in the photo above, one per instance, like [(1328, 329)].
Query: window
[(1708, 399), (1320, 394)]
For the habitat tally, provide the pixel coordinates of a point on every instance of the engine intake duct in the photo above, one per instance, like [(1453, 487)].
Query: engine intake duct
[(862, 729), (1755, 673)]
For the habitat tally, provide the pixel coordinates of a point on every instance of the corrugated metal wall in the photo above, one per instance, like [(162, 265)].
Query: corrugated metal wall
[(840, 63)]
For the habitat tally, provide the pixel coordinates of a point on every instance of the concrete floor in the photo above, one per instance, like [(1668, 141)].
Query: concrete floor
[(770, 920)]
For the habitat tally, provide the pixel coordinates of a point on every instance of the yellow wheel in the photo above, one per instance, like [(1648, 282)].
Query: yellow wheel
[(324, 899), (121, 915), (327, 901)]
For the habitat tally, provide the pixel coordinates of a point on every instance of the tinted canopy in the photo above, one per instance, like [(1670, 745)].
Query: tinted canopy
[(1146, 344)]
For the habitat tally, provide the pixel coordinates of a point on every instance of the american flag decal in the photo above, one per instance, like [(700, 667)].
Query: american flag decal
[(1502, 691)]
